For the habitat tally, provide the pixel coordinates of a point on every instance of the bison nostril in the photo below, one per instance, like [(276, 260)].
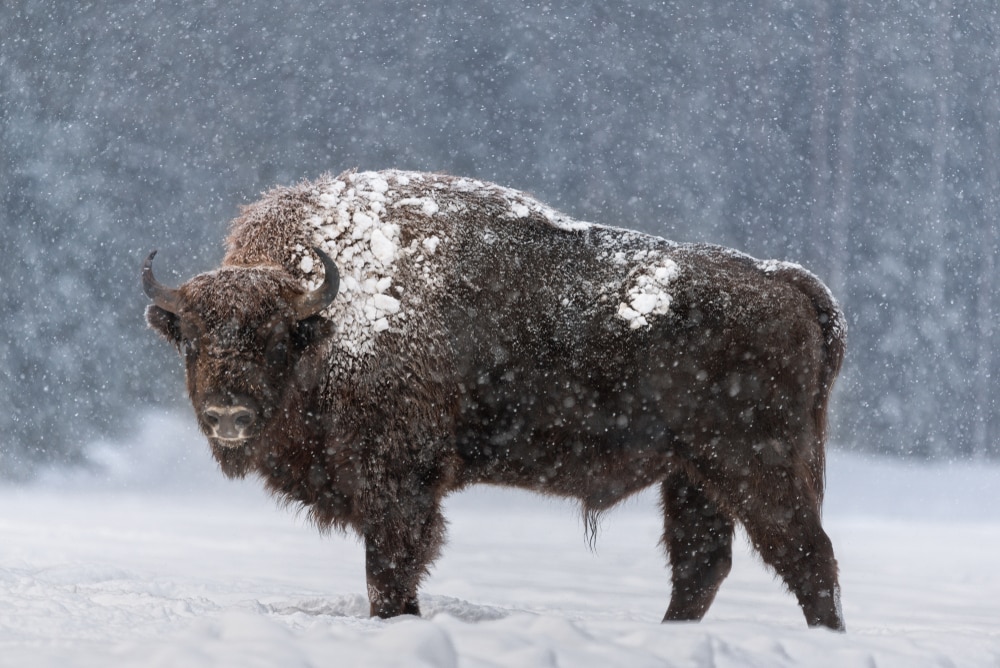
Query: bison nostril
[(243, 419), (212, 417)]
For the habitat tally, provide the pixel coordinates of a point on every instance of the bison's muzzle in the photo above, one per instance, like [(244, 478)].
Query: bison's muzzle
[(229, 425)]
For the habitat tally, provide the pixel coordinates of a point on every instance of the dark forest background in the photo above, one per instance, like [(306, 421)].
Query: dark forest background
[(859, 138)]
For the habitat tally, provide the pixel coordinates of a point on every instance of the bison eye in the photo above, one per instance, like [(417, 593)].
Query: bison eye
[(188, 346), (276, 350)]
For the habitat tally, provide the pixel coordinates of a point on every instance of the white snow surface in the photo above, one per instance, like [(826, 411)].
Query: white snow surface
[(153, 559)]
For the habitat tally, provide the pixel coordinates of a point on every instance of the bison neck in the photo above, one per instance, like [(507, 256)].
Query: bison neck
[(306, 457)]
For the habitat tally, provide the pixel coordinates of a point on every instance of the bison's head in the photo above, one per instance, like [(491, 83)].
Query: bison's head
[(241, 331)]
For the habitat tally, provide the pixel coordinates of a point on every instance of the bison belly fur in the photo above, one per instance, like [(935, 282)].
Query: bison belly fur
[(375, 341)]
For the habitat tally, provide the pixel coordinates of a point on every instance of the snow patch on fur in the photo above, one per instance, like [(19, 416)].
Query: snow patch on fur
[(771, 266), (352, 224), (648, 294)]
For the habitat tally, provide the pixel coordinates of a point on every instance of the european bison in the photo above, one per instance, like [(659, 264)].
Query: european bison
[(479, 336)]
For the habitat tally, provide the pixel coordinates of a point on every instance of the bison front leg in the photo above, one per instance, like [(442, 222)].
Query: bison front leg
[(698, 537), (402, 537)]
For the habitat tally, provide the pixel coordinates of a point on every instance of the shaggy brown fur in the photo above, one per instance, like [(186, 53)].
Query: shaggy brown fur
[(511, 348)]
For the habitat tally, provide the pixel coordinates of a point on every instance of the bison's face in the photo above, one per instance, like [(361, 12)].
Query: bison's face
[(242, 332)]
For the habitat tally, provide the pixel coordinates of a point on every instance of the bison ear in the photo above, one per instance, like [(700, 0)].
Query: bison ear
[(165, 322), (310, 330)]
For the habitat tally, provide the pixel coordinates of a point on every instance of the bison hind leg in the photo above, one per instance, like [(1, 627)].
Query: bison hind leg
[(698, 537), (781, 516)]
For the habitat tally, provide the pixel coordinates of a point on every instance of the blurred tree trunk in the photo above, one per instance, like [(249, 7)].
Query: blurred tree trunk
[(984, 434), (936, 308), (819, 130), (940, 148), (844, 165)]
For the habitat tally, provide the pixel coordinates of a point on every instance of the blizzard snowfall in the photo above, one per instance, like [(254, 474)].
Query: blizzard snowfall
[(154, 559)]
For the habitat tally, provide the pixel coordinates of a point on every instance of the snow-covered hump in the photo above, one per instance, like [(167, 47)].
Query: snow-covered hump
[(354, 219)]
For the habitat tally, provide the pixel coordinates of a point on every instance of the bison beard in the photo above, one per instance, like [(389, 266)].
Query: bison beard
[(482, 337)]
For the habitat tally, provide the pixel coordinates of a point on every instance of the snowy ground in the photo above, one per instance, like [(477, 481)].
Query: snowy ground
[(155, 560)]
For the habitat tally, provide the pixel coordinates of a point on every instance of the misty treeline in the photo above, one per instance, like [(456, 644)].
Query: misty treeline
[(858, 138)]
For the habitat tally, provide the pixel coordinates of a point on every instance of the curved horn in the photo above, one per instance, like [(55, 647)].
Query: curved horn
[(164, 297), (313, 302)]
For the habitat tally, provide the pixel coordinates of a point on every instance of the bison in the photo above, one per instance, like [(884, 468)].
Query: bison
[(375, 341)]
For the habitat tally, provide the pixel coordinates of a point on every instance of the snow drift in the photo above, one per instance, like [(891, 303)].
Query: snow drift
[(153, 559)]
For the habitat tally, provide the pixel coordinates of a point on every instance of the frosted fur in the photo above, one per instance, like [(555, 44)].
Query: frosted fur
[(375, 224), (358, 219)]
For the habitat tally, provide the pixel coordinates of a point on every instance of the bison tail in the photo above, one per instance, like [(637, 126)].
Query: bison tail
[(834, 327)]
